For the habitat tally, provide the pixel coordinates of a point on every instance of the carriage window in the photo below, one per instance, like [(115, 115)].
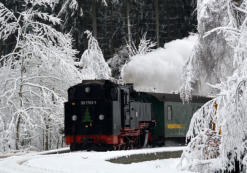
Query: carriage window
[(169, 112)]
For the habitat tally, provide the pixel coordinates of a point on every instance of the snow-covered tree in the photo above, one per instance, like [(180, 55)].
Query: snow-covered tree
[(227, 112), (92, 61), (124, 54), (118, 60), (73, 9), (144, 47), (211, 60), (34, 77), (69, 5)]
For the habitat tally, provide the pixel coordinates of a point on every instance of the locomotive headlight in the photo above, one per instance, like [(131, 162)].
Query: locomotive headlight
[(74, 118), (101, 117), (87, 89)]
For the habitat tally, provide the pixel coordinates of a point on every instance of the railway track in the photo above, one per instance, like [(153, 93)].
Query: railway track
[(61, 151), (146, 157), (133, 158)]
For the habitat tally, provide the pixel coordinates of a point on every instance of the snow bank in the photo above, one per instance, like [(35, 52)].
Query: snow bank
[(154, 71), (89, 162)]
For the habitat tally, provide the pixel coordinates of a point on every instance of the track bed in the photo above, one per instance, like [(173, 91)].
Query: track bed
[(135, 158)]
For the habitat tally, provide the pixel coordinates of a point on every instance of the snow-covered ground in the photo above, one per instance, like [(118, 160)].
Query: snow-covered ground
[(88, 162)]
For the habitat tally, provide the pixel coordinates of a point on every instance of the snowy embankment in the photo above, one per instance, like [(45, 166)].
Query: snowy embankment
[(89, 162), (153, 71)]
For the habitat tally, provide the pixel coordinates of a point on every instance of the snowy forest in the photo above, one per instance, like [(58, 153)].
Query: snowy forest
[(46, 46)]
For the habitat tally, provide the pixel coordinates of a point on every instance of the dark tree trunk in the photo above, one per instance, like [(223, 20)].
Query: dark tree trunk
[(94, 18), (157, 21), (128, 20)]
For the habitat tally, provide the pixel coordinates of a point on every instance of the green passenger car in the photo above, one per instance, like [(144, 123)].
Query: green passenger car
[(172, 116)]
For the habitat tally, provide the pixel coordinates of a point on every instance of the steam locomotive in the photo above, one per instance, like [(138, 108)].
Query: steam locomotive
[(104, 115)]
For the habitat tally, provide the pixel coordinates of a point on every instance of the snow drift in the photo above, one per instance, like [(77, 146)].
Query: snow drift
[(154, 71)]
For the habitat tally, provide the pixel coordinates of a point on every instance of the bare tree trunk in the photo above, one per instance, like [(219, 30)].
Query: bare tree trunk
[(43, 139), (128, 20), (1, 51), (111, 31), (17, 141), (46, 134), (61, 139), (50, 135), (58, 141), (157, 22), (18, 123), (94, 18)]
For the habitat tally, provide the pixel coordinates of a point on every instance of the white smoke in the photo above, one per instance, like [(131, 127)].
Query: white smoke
[(161, 69)]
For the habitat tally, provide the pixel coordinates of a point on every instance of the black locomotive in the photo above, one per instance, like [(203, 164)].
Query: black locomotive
[(102, 115)]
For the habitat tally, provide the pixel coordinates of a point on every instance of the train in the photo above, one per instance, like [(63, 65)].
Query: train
[(105, 115)]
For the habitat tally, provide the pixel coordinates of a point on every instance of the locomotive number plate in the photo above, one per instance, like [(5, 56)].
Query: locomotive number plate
[(88, 102)]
